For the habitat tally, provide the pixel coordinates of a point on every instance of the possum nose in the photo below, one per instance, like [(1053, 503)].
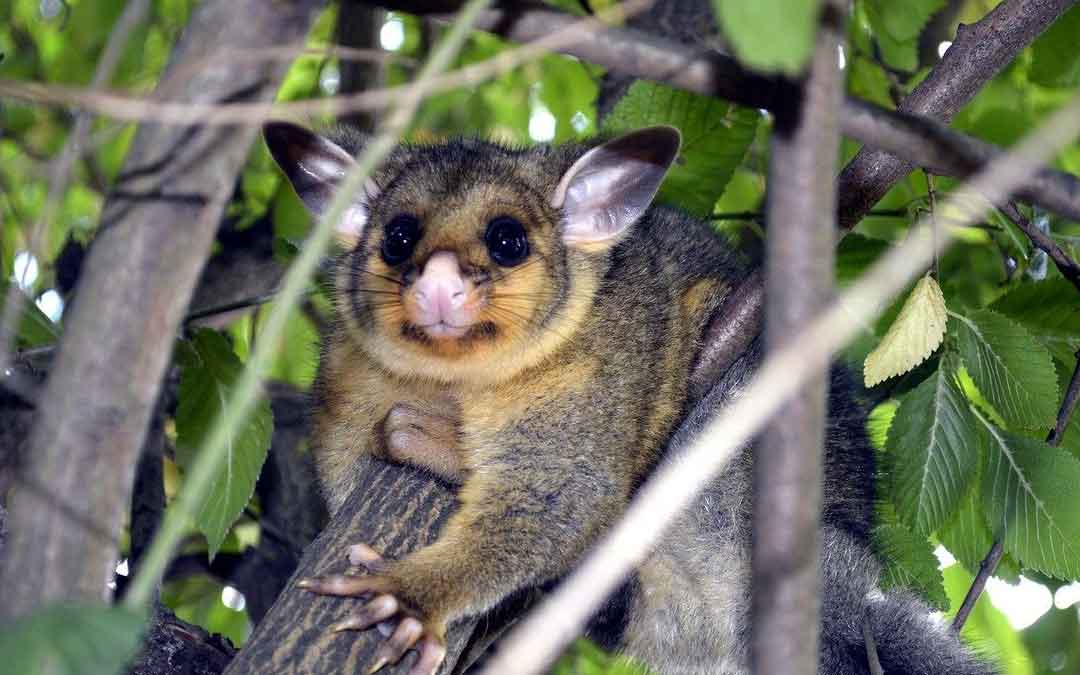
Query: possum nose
[(440, 290)]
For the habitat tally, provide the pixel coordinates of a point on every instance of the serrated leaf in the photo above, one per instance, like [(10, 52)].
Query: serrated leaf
[(1011, 369), (1049, 310), (967, 537), (932, 452), (209, 370), (908, 561), (917, 332), (1029, 493), (71, 640), (1055, 60), (791, 25), (715, 135)]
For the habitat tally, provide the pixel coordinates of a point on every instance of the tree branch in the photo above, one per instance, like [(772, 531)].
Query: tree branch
[(986, 568), (1064, 262), (101, 391), (978, 53), (800, 250)]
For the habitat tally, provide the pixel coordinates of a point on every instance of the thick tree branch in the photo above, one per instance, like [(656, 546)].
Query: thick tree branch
[(101, 392), (800, 250), (395, 509), (979, 52)]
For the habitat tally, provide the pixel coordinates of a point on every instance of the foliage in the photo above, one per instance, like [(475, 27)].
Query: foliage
[(71, 640), (208, 371), (965, 409)]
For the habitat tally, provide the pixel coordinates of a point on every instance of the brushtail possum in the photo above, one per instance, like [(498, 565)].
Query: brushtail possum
[(522, 323)]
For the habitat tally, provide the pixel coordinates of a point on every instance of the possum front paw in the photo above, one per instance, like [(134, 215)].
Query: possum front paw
[(384, 602), (423, 438)]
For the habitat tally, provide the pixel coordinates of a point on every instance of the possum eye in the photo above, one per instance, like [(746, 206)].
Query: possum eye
[(399, 238), (506, 241)]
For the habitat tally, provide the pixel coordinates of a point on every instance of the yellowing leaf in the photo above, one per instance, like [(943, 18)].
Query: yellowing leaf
[(916, 333)]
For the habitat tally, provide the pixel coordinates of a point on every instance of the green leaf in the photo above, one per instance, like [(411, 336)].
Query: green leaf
[(916, 333), (903, 20), (715, 135), (71, 640), (790, 25), (1011, 369), (967, 537), (855, 254), (1029, 492), (909, 562), (1049, 310), (209, 370), (1055, 60), (932, 451)]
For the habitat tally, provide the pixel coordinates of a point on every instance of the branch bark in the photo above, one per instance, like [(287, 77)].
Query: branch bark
[(979, 52), (396, 509), (800, 250), (101, 392)]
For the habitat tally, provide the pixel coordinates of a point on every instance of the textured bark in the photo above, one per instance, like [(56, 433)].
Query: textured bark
[(395, 509), (67, 507), (173, 646), (979, 52), (800, 250)]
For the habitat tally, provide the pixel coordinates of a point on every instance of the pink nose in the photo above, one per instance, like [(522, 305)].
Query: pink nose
[(440, 291)]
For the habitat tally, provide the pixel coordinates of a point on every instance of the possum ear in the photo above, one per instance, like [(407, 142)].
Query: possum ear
[(316, 166), (612, 185)]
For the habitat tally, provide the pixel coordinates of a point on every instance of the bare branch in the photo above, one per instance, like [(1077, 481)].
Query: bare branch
[(800, 250), (978, 53), (986, 568), (917, 140), (1065, 264)]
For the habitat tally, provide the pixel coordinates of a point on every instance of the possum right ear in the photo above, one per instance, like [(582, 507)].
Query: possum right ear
[(316, 166)]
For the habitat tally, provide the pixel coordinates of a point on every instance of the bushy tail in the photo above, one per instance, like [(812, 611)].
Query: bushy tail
[(907, 638)]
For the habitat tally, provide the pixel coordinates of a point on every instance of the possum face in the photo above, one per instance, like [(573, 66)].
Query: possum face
[(468, 260)]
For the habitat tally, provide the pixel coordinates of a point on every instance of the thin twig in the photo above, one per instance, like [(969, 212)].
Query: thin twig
[(932, 199), (1068, 406), (871, 648), (1043, 241), (986, 568)]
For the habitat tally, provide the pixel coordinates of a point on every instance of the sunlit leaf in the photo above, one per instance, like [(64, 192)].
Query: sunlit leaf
[(968, 538), (1029, 492), (791, 25), (917, 332), (209, 370)]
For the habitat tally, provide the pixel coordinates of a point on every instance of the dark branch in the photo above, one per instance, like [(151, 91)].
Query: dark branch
[(986, 568), (788, 475), (1068, 406), (978, 53), (1065, 264)]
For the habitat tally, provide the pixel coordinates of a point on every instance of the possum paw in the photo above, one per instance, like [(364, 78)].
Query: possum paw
[(423, 438), (383, 605)]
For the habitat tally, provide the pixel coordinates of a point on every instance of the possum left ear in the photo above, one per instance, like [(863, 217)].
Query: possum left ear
[(609, 188), (316, 166)]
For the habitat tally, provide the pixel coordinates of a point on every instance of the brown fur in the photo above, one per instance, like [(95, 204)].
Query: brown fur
[(563, 402)]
